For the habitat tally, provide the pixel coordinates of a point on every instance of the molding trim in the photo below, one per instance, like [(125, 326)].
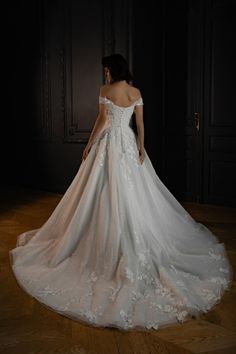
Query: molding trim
[(116, 36), (45, 119)]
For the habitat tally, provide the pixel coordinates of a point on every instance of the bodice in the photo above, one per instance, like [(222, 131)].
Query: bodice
[(119, 116)]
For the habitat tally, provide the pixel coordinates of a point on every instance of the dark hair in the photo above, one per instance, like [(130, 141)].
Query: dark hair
[(118, 67)]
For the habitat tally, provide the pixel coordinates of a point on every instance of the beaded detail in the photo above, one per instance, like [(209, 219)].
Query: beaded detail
[(119, 133), (105, 100)]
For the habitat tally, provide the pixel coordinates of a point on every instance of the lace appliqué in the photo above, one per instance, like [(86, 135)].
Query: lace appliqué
[(47, 290), (126, 172), (219, 280), (129, 274), (125, 141), (214, 255), (113, 292), (91, 315), (127, 319), (185, 274), (208, 294), (105, 100), (102, 147), (93, 277), (139, 102)]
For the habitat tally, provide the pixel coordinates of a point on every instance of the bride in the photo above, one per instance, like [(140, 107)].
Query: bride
[(119, 250)]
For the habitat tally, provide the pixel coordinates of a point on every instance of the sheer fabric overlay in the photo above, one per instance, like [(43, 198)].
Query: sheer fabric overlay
[(119, 250)]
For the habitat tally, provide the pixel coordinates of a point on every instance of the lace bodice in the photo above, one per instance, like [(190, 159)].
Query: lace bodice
[(105, 100), (118, 115)]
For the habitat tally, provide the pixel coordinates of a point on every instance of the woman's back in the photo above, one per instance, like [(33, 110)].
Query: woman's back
[(121, 93)]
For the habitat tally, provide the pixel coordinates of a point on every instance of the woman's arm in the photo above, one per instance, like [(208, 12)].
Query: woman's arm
[(99, 123), (140, 131)]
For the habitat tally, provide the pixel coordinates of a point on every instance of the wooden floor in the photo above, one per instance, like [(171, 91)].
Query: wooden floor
[(27, 327)]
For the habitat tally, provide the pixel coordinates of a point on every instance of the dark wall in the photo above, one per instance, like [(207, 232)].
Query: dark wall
[(53, 63), (53, 55), (160, 67), (211, 149), (48, 42), (22, 91)]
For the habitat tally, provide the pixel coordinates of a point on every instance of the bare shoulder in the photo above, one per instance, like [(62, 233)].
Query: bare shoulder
[(135, 92), (103, 90)]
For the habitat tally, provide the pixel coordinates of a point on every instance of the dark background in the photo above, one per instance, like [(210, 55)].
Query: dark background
[(182, 54)]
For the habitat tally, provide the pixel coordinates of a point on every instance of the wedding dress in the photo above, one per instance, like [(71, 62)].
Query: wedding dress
[(119, 250)]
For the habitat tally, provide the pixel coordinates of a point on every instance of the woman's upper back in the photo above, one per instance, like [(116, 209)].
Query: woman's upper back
[(120, 93)]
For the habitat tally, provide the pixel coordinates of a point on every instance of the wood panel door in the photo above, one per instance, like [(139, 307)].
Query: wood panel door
[(55, 50), (211, 118)]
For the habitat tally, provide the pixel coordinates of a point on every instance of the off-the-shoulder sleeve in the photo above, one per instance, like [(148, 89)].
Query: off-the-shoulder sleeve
[(102, 100), (139, 102)]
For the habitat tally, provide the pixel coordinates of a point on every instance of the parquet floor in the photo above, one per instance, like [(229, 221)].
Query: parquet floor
[(27, 327)]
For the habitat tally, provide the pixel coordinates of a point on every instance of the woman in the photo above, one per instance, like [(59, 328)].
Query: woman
[(118, 77), (119, 250)]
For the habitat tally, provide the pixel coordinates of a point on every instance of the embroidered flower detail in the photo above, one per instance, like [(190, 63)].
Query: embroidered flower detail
[(214, 255), (92, 278), (219, 280), (142, 259), (185, 274), (113, 292), (102, 146), (126, 172), (64, 308), (47, 290), (180, 283), (91, 315), (163, 291), (208, 294), (182, 315), (136, 236), (126, 318), (154, 325), (136, 296), (129, 274), (149, 280)]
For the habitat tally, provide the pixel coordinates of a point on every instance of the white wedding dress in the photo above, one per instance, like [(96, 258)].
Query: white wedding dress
[(119, 250)]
